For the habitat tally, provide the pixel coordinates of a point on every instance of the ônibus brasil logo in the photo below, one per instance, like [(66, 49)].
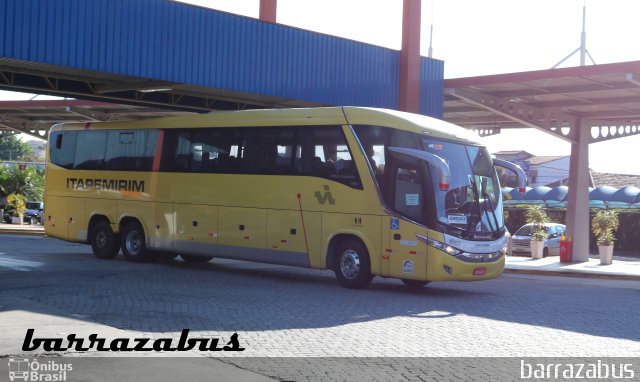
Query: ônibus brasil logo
[(25, 369)]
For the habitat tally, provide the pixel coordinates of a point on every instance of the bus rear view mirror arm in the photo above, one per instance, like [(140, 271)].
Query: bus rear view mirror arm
[(522, 177), (441, 166)]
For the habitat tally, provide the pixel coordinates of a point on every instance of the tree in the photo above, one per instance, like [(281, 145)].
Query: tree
[(28, 182), (12, 148)]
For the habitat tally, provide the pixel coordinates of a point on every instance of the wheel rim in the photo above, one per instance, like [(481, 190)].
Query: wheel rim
[(350, 264), (101, 239), (133, 242)]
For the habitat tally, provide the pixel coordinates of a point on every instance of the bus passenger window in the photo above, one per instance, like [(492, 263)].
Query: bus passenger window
[(62, 148), (90, 150), (331, 156)]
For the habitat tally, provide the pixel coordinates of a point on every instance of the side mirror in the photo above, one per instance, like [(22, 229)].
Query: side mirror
[(440, 164), (522, 177)]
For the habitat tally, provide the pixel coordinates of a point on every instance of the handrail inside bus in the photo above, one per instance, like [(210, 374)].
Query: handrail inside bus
[(439, 163)]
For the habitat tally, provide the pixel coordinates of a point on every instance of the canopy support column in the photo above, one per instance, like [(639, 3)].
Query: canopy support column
[(410, 57), (268, 10), (577, 218)]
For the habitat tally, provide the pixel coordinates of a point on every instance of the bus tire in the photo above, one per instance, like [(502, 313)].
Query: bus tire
[(133, 243), (352, 264), (104, 243), (195, 258), (415, 283)]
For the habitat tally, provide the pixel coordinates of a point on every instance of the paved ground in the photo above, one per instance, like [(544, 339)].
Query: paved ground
[(60, 288)]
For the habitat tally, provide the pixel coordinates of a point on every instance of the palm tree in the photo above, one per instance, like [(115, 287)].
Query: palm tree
[(28, 182)]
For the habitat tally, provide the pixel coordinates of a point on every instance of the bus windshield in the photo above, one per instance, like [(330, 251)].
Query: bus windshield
[(471, 206), (473, 201)]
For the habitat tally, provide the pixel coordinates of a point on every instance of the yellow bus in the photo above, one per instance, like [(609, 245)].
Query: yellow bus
[(365, 192)]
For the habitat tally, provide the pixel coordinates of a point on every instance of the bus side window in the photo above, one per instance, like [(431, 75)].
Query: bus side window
[(130, 150), (62, 148), (90, 150), (331, 156)]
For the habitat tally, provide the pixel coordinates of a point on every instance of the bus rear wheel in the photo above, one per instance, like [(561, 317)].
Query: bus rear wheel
[(133, 243), (415, 283), (104, 243), (195, 258), (352, 264)]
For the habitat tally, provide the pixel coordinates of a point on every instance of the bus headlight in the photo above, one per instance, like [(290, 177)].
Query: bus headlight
[(439, 245), (461, 255), (480, 257)]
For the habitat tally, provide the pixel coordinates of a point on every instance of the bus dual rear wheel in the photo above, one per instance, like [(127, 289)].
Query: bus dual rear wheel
[(133, 243), (352, 264), (104, 243)]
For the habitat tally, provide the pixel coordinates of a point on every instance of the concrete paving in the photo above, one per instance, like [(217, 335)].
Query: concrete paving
[(298, 324), (627, 269)]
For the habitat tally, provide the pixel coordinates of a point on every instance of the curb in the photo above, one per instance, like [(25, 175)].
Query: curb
[(22, 232), (573, 274)]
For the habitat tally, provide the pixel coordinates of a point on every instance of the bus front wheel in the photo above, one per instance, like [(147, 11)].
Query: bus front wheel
[(104, 242), (133, 243), (352, 264)]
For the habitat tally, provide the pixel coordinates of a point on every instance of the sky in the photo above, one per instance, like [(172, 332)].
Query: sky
[(482, 37)]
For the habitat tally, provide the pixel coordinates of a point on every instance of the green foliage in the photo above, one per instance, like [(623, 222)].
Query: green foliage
[(603, 225), (627, 238), (536, 215), (28, 182), (18, 202), (13, 149)]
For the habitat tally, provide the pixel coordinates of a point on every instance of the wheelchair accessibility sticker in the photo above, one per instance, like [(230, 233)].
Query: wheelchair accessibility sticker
[(395, 224)]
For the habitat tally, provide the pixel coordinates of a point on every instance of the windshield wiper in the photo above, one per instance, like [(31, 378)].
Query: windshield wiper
[(487, 199), (476, 201)]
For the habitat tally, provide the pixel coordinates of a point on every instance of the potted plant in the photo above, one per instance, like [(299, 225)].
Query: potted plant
[(603, 225), (17, 201), (536, 216)]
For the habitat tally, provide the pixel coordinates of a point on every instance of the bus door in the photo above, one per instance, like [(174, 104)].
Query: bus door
[(407, 256)]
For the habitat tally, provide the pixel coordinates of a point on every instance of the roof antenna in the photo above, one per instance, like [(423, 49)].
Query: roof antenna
[(583, 42)]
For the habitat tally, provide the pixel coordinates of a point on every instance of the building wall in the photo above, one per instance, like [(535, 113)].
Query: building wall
[(549, 172)]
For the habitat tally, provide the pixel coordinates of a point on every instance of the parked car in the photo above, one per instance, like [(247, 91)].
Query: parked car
[(521, 240), (33, 214)]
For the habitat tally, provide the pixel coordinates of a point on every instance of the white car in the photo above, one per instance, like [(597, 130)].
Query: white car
[(521, 240)]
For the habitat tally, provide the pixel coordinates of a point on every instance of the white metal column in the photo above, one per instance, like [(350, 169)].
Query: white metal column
[(578, 201)]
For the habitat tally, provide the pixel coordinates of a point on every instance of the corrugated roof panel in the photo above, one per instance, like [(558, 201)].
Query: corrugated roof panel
[(432, 87), (177, 42)]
